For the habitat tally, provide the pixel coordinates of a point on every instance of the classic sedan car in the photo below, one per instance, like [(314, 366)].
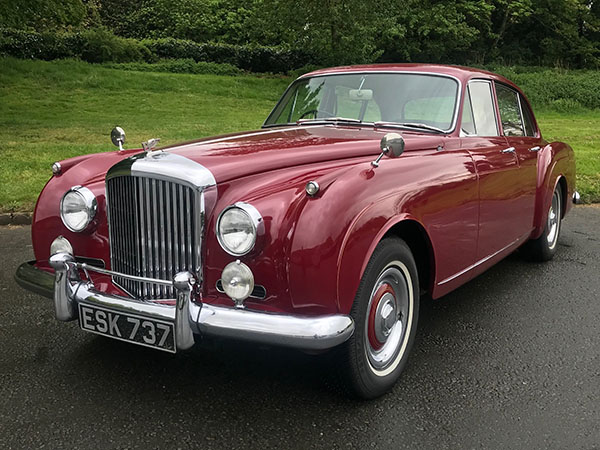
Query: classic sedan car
[(366, 188)]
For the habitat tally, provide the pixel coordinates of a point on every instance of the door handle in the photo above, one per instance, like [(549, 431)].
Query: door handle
[(537, 148), (509, 150)]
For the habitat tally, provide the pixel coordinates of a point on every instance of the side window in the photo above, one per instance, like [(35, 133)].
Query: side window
[(527, 118), (510, 112), (468, 121), (479, 116)]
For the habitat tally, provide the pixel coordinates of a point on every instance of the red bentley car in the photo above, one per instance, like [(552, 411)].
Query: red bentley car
[(366, 188)]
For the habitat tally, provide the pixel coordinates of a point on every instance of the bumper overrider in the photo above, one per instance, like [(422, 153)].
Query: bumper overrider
[(189, 317)]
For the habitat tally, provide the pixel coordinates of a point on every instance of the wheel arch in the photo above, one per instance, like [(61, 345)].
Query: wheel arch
[(556, 165), (405, 227), (562, 181), (417, 239)]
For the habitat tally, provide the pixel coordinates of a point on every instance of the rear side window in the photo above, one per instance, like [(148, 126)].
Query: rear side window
[(479, 116), (528, 121), (510, 111)]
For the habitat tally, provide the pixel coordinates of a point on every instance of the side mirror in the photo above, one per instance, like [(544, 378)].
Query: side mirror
[(392, 145), (117, 136)]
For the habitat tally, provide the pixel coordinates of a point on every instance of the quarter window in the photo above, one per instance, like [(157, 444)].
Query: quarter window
[(510, 111), (479, 116), (527, 118)]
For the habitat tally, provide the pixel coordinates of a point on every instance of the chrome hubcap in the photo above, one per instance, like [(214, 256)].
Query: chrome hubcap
[(386, 322), (385, 317), (553, 220)]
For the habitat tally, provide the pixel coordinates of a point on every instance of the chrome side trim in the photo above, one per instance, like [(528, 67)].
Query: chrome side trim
[(478, 263), (302, 332)]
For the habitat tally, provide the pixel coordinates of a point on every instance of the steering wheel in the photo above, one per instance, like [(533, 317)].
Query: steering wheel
[(315, 112)]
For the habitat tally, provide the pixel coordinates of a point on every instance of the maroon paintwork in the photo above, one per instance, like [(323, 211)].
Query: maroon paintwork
[(471, 204)]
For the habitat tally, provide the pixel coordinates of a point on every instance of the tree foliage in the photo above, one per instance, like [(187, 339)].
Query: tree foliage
[(562, 33), (41, 14)]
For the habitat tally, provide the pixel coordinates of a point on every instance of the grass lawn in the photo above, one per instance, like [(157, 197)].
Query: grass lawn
[(55, 110), (582, 132)]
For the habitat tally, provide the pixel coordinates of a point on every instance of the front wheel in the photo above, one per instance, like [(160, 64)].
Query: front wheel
[(544, 247), (385, 312)]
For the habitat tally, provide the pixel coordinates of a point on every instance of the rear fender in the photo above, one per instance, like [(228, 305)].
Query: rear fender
[(555, 161)]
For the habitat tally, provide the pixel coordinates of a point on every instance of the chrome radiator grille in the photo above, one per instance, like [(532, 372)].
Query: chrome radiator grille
[(155, 232)]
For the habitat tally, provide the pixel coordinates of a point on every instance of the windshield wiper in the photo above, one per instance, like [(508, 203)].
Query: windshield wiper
[(272, 125), (418, 126), (328, 120), (319, 121)]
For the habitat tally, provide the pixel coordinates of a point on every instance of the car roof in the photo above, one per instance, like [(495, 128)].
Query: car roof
[(464, 74)]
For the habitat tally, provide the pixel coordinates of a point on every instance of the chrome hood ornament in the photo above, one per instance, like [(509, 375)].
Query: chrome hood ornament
[(150, 144)]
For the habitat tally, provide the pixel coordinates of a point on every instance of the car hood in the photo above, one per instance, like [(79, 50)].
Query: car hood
[(237, 155)]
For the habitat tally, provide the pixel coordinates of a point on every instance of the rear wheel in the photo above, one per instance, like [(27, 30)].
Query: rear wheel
[(385, 313), (544, 247)]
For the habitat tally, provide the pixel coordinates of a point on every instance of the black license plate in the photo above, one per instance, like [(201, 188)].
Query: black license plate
[(139, 330)]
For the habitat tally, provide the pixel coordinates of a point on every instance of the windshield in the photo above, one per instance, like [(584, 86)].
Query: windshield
[(402, 98)]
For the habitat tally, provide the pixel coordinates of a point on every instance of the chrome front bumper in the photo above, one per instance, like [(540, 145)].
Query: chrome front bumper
[(67, 289)]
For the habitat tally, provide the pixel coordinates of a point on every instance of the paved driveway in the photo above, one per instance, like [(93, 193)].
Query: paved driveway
[(511, 360)]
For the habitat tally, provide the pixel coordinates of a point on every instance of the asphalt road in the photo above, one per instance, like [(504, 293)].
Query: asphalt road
[(511, 360)]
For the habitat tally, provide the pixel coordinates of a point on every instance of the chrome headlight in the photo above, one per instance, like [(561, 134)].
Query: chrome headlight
[(78, 208), (237, 228)]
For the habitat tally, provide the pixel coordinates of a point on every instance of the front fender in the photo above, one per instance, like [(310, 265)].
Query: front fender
[(337, 232)]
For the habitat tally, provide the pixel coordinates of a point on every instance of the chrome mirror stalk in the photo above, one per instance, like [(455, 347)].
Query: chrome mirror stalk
[(392, 145), (117, 136)]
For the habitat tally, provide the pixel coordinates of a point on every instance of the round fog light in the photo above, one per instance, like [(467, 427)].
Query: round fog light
[(61, 245), (238, 282)]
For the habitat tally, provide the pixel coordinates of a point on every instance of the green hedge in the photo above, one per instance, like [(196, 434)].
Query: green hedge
[(557, 89), (248, 57), (96, 45), (99, 45)]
